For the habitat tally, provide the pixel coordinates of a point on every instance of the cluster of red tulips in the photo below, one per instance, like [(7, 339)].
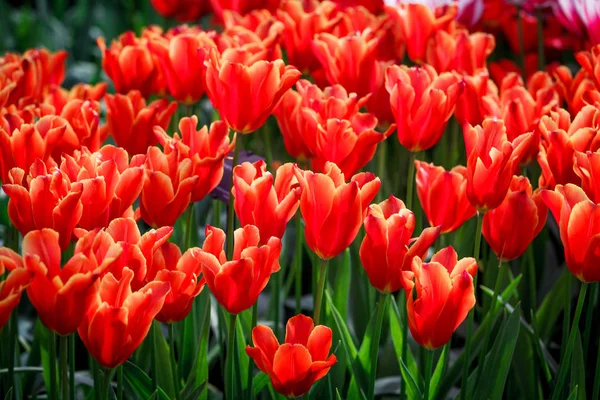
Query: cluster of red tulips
[(98, 254)]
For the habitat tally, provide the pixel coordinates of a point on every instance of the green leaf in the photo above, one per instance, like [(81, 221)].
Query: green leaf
[(259, 382), (578, 370), (337, 394), (440, 368), (412, 388), (163, 359), (140, 383), (342, 273), (9, 394), (552, 306), (199, 369), (396, 333), (41, 334), (348, 345), (574, 393)]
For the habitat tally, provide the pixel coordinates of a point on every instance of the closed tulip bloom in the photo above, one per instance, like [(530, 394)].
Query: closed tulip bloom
[(84, 118), (577, 218), (300, 361), (237, 283), (231, 84), (460, 51), (181, 60), (131, 120), (478, 100), (522, 207), (183, 272), (168, 185), (491, 162), (291, 123), (206, 148), (587, 167), (334, 210), (47, 199), (130, 65), (443, 195), (385, 252), (422, 102), (61, 295), (182, 10), (444, 296), (263, 201), (12, 287), (116, 312)]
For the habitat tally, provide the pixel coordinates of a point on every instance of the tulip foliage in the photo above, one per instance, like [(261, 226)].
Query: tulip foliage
[(317, 199)]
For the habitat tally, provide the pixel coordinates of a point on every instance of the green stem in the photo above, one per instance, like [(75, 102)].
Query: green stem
[(216, 216), (520, 36), (174, 372), (404, 332), (120, 383), (410, 180), (298, 263), (383, 300), (230, 211), (153, 366), (267, 141), (254, 321), (52, 356), (107, 380), (532, 280), (596, 391), (276, 296), (589, 317), (320, 290), (428, 369), (189, 226), (12, 337), (230, 358), (64, 366), (96, 376), (540, 39), (467, 362), (381, 162), (566, 362), (566, 316), (72, 366)]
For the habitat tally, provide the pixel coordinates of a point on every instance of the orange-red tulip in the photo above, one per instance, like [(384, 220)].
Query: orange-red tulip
[(522, 207), (443, 195), (182, 10), (460, 51), (291, 123), (333, 210), (491, 162), (422, 102), (300, 361), (263, 201), (206, 148), (242, 6), (478, 100), (116, 312), (169, 181), (577, 218), (61, 295), (181, 60), (587, 167), (231, 84), (183, 272), (131, 66), (444, 295), (130, 120), (58, 97), (12, 287), (84, 118), (385, 252), (237, 283)]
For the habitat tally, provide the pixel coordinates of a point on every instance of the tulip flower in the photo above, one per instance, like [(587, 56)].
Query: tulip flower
[(61, 295), (130, 65), (333, 210), (587, 167), (183, 272), (444, 296), (237, 283), (460, 51), (181, 60), (84, 118), (58, 97), (385, 252), (522, 208), (230, 85), (491, 162), (478, 100), (206, 148), (263, 201), (422, 102), (130, 120), (16, 282), (182, 10), (291, 122), (560, 139), (300, 361), (242, 6), (576, 215), (116, 312), (443, 195)]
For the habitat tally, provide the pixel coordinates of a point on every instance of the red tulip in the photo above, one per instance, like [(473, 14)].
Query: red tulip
[(491, 162), (478, 100), (422, 102), (333, 210), (443, 195), (184, 275), (522, 208), (577, 218), (58, 97), (130, 120), (16, 282), (263, 201), (61, 295), (84, 118), (587, 167), (291, 123), (182, 10), (231, 84), (460, 51), (116, 312), (242, 6), (206, 148), (444, 295), (237, 283), (296, 365), (385, 253)]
